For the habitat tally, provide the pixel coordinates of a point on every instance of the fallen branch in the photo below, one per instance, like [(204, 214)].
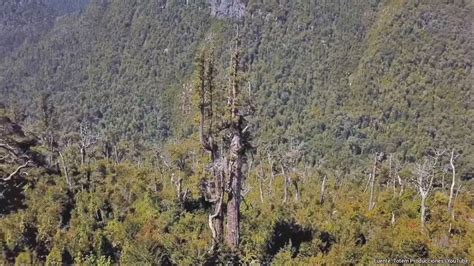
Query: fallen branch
[(16, 171)]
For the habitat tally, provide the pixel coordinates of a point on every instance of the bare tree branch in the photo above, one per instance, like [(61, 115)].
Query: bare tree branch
[(18, 169)]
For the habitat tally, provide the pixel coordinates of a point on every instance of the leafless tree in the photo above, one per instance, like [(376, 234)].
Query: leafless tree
[(391, 175), (15, 157), (65, 170), (285, 184), (261, 179), (423, 181), (378, 158), (272, 173), (289, 170), (87, 138), (397, 166), (453, 181)]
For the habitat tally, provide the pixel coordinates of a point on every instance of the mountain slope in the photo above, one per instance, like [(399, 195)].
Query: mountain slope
[(346, 78), (28, 20)]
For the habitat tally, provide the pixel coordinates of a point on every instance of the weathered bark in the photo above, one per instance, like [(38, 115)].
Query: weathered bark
[(236, 159), (216, 220), (233, 204)]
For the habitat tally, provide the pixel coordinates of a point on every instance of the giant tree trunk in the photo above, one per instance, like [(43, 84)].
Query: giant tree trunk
[(216, 223), (233, 204)]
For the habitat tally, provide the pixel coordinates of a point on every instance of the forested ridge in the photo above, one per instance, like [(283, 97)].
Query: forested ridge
[(324, 131)]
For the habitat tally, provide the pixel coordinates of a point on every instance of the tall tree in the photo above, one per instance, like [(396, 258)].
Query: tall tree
[(224, 135)]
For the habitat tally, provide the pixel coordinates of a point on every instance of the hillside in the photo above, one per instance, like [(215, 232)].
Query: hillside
[(323, 73), (27, 21)]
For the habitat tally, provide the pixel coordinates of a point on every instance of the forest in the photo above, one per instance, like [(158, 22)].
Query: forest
[(184, 132)]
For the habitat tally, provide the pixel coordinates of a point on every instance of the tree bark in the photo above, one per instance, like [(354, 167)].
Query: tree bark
[(233, 204)]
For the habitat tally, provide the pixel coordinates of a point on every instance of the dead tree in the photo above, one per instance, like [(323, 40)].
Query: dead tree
[(378, 158), (17, 171), (87, 138), (423, 182), (285, 184), (63, 144), (453, 182), (261, 180), (223, 131), (391, 176), (272, 173), (397, 166), (13, 156), (290, 171), (65, 170), (260, 169)]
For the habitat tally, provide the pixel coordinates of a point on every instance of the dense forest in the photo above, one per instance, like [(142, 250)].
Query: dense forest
[(182, 132)]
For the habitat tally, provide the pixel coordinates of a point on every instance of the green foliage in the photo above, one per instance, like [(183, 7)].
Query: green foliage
[(349, 78)]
